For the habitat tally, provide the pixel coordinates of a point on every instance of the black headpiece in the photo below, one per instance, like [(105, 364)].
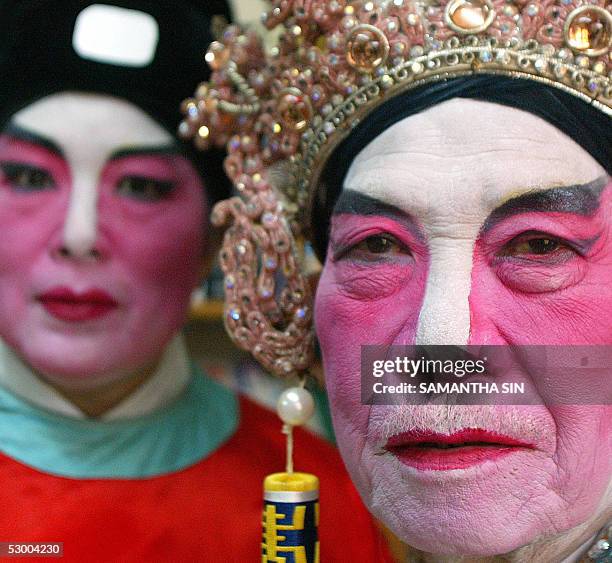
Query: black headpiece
[(49, 46)]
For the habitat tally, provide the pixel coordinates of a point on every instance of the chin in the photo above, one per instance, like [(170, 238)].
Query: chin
[(460, 531), (93, 357), (480, 514), (80, 372), (82, 364), (442, 539)]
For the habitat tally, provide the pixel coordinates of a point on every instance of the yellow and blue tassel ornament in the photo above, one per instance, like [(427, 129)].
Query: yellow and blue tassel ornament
[(291, 499)]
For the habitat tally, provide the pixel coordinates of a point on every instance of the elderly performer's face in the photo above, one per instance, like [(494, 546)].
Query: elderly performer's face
[(102, 234), (471, 223)]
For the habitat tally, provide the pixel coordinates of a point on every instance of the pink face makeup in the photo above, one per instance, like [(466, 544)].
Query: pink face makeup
[(89, 302), (458, 245), (558, 277), (373, 256)]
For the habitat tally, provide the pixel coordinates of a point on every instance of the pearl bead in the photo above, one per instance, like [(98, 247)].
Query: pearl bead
[(295, 406)]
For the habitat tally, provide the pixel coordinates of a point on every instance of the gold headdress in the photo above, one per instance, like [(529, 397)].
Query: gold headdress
[(335, 62)]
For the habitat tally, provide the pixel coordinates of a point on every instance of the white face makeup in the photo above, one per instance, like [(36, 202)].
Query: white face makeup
[(457, 261), (73, 121)]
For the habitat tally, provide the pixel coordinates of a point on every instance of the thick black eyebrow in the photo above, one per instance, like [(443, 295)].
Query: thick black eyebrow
[(21, 134), (172, 150), (355, 203), (580, 199)]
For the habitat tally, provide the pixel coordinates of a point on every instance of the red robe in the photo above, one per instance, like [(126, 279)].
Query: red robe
[(209, 512)]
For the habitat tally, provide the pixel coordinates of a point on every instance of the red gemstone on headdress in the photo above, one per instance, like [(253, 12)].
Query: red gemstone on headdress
[(367, 48), (589, 30), (294, 108)]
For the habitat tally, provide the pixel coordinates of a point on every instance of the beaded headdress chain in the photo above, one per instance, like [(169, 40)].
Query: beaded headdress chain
[(334, 62)]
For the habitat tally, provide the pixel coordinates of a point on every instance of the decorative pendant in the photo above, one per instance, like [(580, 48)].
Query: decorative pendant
[(291, 499)]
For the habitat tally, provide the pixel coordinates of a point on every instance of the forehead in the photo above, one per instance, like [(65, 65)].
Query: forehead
[(78, 122), (469, 156)]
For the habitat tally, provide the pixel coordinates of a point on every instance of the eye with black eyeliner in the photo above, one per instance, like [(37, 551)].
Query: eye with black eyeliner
[(23, 177), (540, 247), (145, 189), (376, 246)]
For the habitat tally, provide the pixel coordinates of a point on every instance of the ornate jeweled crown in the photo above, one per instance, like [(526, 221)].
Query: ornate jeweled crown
[(334, 62)]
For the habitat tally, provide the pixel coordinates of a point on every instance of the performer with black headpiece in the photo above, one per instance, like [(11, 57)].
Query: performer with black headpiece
[(112, 441)]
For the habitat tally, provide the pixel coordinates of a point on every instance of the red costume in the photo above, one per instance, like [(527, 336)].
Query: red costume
[(209, 512)]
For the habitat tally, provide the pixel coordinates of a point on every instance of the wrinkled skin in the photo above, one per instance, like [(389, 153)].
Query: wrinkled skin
[(458, 268), (83, 222)]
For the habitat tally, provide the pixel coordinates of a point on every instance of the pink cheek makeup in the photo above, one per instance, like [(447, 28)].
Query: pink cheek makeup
[(363, 275), (362, 298), (30, 218), (364, 282), (182, 202), (565, 291), (161, 238), (540, 278), (15, 151)]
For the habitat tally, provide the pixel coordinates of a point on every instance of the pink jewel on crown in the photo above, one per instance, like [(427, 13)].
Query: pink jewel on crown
[(280, 112)]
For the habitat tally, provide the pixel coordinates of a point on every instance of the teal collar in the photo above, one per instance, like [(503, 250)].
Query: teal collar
[(168, 440)]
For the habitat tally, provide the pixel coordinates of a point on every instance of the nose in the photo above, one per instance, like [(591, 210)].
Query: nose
[(80, 231), (445, 314)]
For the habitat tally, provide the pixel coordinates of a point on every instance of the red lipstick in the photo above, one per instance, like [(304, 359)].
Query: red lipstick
[(430, 451), (68, 305)]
